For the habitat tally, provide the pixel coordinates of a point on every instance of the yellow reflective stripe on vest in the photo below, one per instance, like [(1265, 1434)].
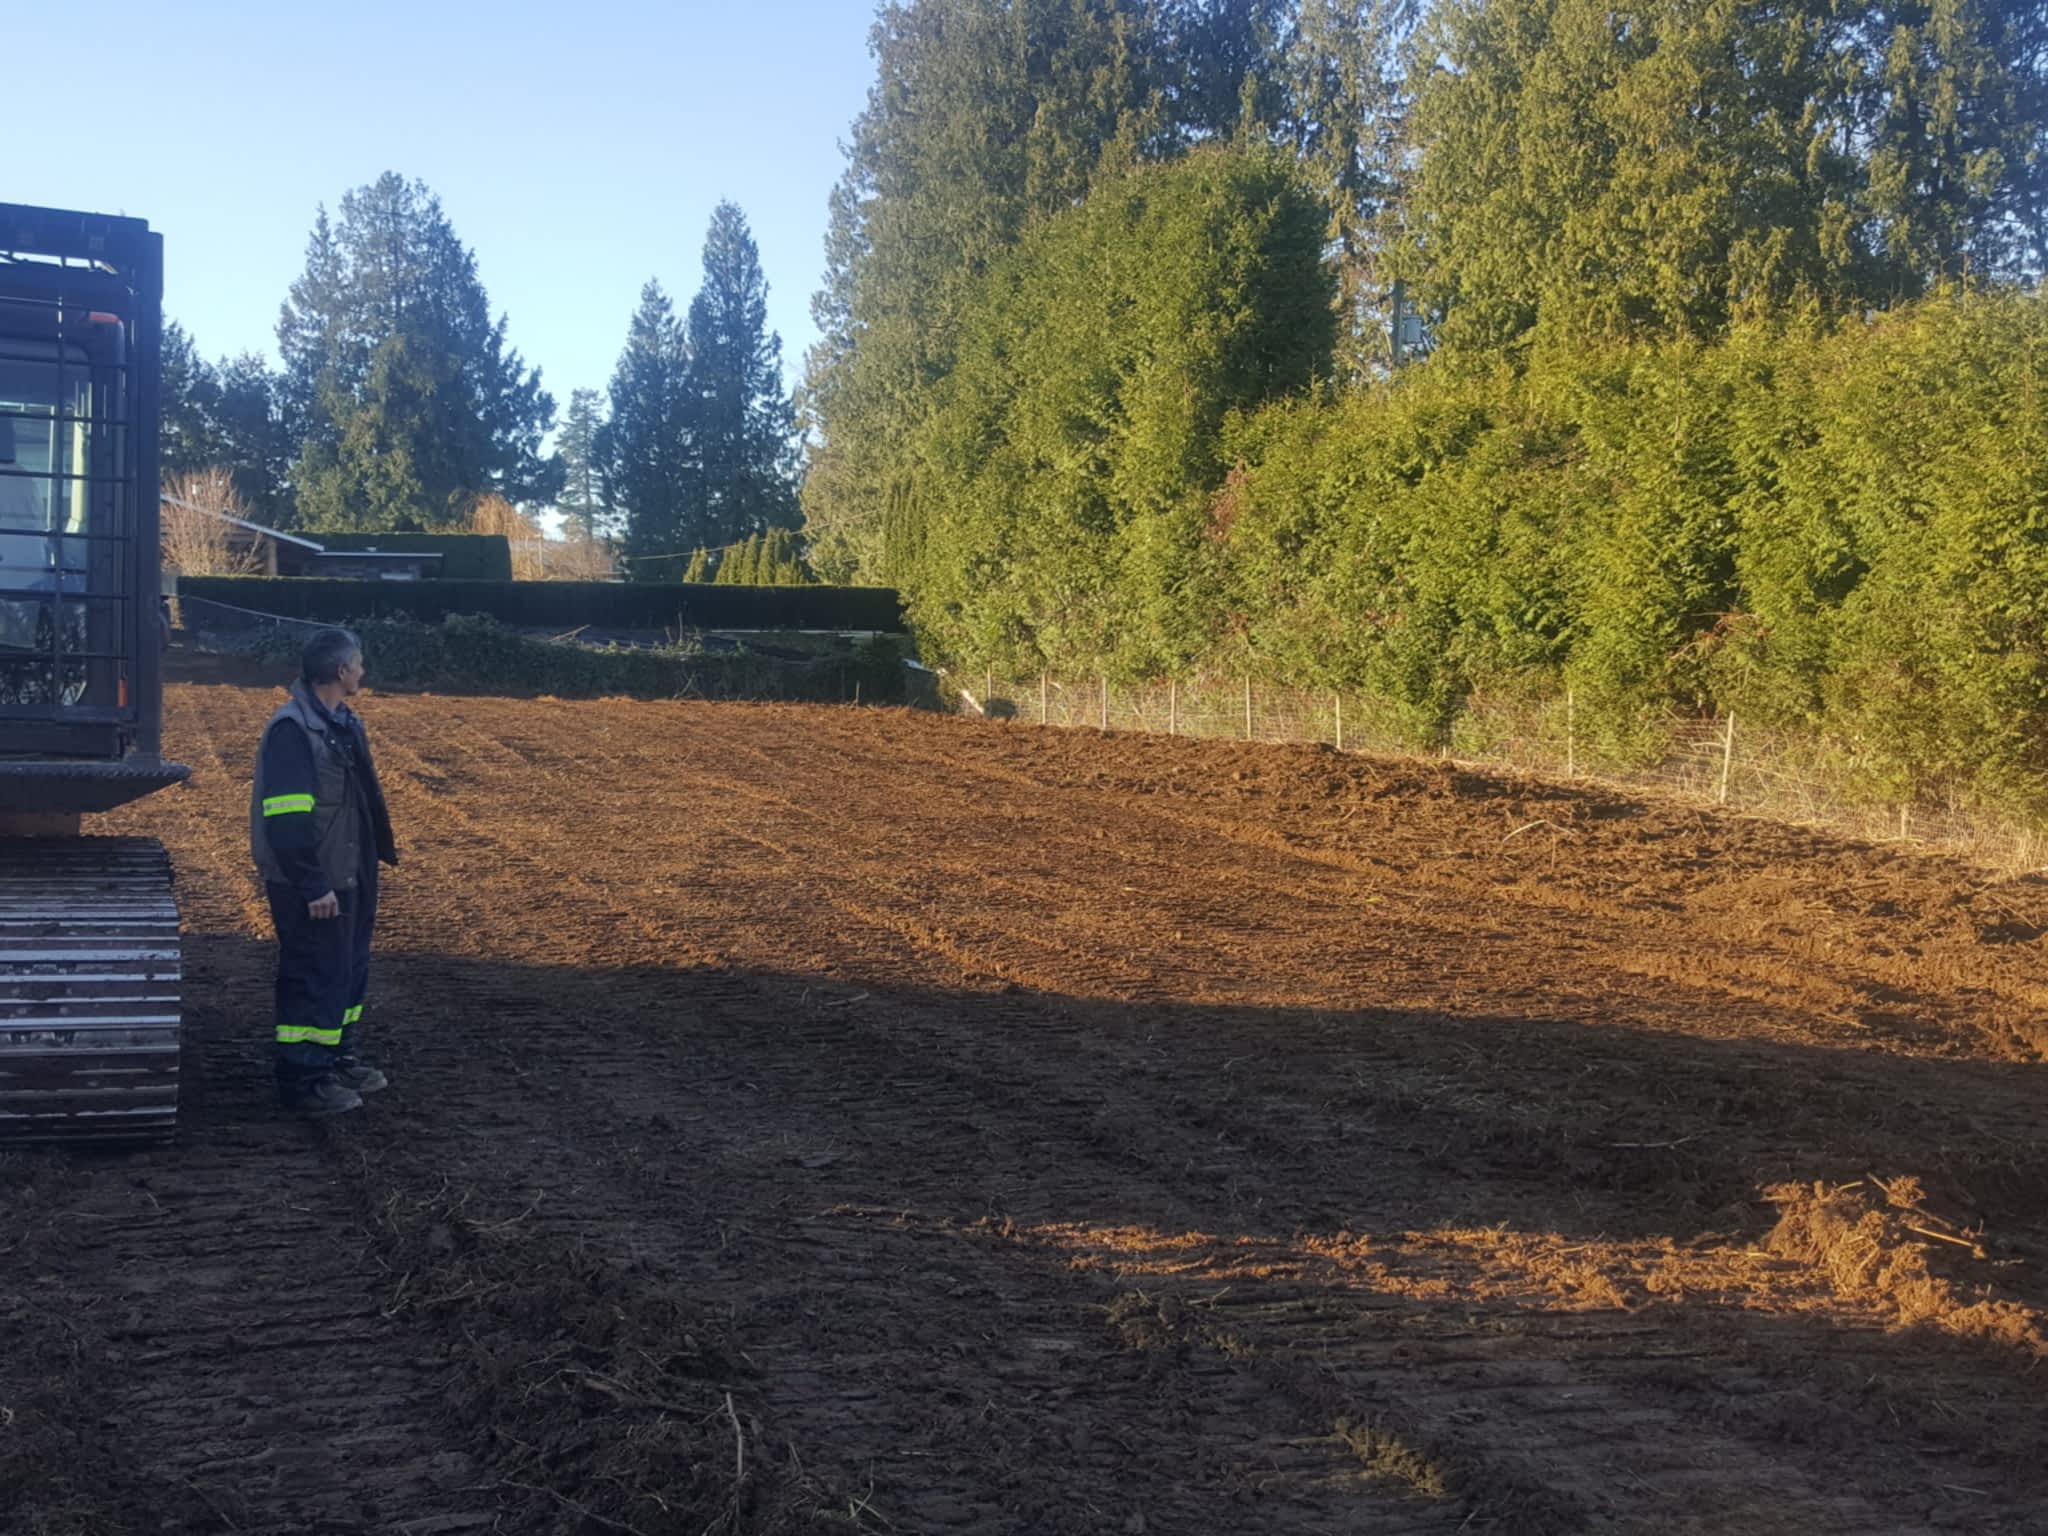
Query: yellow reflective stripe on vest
[(305, 1034), (286, 805), (352, 1015)]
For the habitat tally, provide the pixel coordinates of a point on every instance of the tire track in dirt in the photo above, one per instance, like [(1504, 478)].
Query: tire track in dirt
[(1573, 1397), (641, 1077), (553, 873)]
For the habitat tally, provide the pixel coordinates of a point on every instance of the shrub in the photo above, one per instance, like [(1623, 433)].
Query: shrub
[(560, 605), (465, 654)]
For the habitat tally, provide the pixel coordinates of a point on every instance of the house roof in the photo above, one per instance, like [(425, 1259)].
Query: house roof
[(382, 554), (269, 533)]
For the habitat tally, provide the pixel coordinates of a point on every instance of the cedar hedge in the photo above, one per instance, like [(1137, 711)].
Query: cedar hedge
[(558, 605), (464, 556), (479, 656)]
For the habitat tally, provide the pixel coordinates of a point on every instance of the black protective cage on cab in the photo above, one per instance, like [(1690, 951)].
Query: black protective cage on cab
[(81, 299)]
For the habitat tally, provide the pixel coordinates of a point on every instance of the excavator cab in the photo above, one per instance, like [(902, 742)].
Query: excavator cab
[(89, 960)]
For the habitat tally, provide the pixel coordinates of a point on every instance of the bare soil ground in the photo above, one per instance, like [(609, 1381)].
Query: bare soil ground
[(827, 1119)]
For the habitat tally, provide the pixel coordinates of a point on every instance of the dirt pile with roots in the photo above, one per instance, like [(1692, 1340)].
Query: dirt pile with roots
[(1873, 1246)]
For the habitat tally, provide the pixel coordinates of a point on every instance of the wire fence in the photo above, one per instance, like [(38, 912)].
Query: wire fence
[(1720, 762), (204, 616)]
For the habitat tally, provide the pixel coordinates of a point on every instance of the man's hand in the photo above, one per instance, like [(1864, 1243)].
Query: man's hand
[(326, 906)]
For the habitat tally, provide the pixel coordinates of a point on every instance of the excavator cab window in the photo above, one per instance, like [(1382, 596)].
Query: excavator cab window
[(62, 576)]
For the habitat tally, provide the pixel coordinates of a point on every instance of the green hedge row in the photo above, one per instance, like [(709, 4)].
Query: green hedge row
[(558, 605), (464, 556), (472, 655), (1838, 530)]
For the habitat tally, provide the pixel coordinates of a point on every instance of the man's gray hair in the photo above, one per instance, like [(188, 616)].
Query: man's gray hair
[(326, 654)]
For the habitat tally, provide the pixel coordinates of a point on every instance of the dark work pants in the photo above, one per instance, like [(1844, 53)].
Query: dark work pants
[(323, 971)]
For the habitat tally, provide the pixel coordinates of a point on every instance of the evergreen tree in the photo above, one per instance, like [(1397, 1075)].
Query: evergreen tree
[(743, 426), (1222, 64), (699, 568), (225, 416), (780, 564), (399, 386), (308, 336), (1062, 514), (582, 498), (189, 396), (738, 562), (1344, 105), (1664, 171), (256, 446), (984, 115), (645, 447), (1955, 96)]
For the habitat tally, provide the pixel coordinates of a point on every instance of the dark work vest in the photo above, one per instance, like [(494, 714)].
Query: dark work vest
[(338, 811)]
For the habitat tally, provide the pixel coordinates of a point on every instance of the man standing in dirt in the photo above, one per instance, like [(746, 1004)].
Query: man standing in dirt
[(319, 828)]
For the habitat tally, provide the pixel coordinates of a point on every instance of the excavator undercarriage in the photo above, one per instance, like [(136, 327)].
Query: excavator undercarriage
[(89, 951)]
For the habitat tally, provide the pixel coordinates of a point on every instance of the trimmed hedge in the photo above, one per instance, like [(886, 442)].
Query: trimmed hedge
[(477, 656), (558, 605), (464, 556)]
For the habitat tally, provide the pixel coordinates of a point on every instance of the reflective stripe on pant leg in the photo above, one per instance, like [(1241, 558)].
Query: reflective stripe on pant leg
[(359, 910), (306, 1034), (312, 985)]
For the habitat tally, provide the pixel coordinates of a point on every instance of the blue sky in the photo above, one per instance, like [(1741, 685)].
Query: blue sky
[(579, 148)]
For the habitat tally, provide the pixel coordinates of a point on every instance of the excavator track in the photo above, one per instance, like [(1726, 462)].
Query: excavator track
[(89, 979)]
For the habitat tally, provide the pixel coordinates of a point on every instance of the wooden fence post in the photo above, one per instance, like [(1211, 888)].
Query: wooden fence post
[(1105, 703), (1727, 755), (1043, 718), (1339, 698), (1571, 736), (988, 689), (1247, 708), (1172, 706)]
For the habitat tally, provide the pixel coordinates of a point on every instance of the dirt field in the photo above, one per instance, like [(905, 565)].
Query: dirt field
[(827, 1119)]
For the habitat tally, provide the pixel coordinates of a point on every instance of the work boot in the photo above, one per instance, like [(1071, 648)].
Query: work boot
[(320, 1096), (352, 1074)]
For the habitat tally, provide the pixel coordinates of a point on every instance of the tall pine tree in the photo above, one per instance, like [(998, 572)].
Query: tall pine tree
[(582, 499), (744, 435), (407, 401), (645, 449)]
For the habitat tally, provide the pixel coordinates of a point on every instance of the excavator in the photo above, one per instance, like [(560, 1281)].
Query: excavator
[(89, 943)]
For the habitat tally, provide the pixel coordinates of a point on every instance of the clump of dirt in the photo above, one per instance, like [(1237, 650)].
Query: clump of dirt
[(1391, 1457), (1874, 1242), (1145, 1324)]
